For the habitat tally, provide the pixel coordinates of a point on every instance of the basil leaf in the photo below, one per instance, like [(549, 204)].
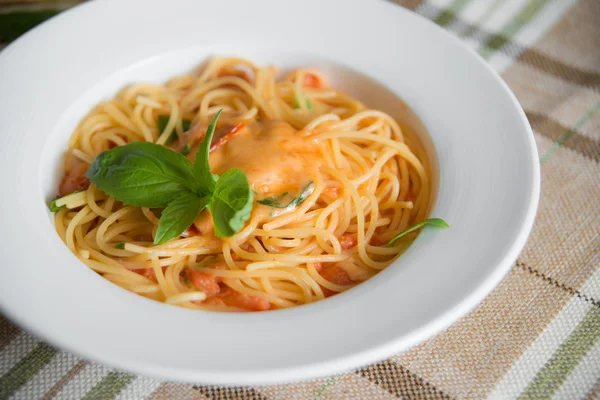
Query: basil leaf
[(205, 179), (231, 203), (150, 175), (309, 104), (142, 174), (273, 201), (163, 121), (186, 150), (53, 207), (304, 193), (120, 245), (179, 215), (431, 221)]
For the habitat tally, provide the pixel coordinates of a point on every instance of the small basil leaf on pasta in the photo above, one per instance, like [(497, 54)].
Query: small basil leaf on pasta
[(71, 200), (206, 180), (163, 121), (186, 281), (309, 105), (274, 201), (53, 207), (231, 203), (120, 245), (142, 174), (431, 221), (304, 193), (179, 215)]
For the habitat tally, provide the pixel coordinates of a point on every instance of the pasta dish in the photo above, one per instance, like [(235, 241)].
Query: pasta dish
[(235, 189)]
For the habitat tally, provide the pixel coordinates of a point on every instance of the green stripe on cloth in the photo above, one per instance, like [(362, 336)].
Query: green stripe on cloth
[(471, 28), (449, 14), (530, 56), (25, 369), (567, 135), (566, 358), (554, 130), (14, 24), (110, 386), (323, 388), (527, 13)]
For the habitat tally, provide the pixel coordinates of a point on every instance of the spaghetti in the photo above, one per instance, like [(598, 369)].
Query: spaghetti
[(334, 182)]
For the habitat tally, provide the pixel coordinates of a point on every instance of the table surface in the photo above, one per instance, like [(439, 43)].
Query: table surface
[(536, 336)]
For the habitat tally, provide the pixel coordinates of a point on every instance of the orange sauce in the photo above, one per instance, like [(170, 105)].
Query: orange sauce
[(275, 157)]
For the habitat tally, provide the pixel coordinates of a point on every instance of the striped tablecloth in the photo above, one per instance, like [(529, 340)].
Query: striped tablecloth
[(536, 336)]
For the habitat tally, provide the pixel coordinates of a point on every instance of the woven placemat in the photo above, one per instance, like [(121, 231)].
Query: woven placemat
[(536, 336)]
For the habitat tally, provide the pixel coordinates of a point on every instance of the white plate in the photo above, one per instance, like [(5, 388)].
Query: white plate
[(488, 183)]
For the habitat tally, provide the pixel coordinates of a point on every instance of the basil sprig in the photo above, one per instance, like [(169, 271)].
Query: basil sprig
[(144, 174), (276, 201), (431, 221)]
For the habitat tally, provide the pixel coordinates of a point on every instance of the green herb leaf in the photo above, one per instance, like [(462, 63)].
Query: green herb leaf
[(309, 104), (431, 221), (186, 281), (163, 121), (53, 207), (186, 150), (231, 203), (142, 174), (273, 201), (179, 215), (120, 245), (151, 175), (201, 167), (304, 193)]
